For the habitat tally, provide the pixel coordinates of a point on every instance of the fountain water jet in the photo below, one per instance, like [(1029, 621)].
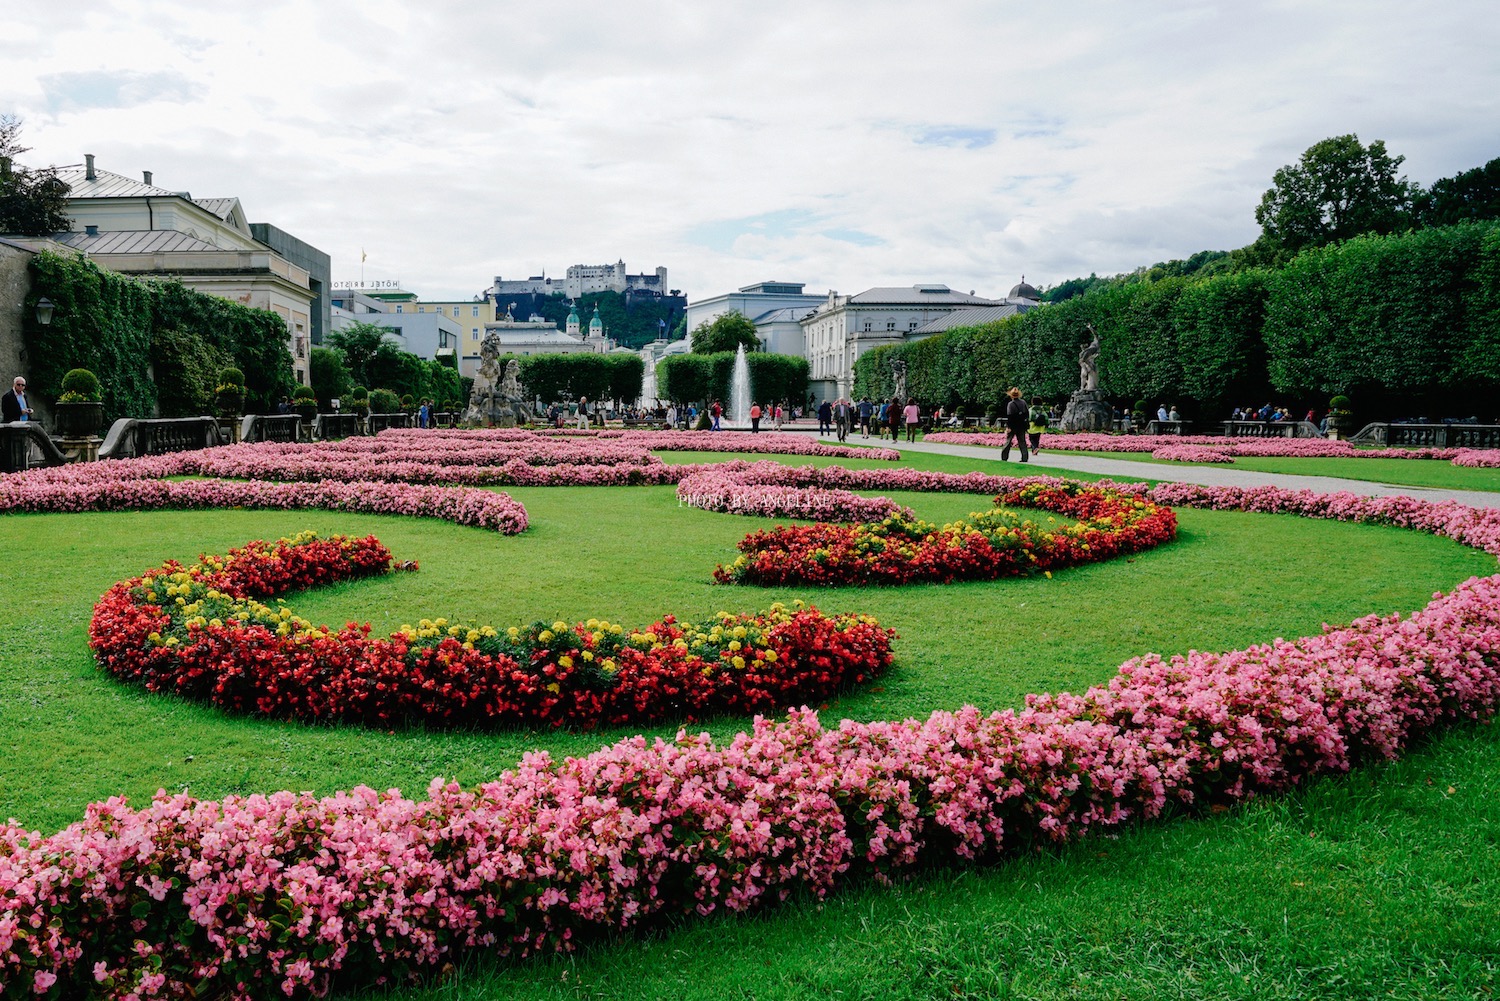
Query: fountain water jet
[(739, 391)]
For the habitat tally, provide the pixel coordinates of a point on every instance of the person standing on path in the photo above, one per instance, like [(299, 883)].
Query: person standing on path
[(866, 408), (825, 418), (912, 416), (893, 414), (755, 418), (716, 412), (583, 413), (843, 418), (1016, 415)]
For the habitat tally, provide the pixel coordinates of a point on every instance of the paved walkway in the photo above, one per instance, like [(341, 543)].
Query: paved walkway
[(1212, 476)]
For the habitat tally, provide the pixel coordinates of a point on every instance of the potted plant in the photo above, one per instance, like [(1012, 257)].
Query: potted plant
[(80, 408), (1139, 416), (305, 403), (229, 395), (359, 401), (1340, 417), (383, 401)]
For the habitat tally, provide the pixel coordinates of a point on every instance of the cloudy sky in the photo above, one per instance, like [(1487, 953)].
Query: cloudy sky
[(841, 144)]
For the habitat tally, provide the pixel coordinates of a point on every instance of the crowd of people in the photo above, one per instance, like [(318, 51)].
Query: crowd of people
[(1271, 412)]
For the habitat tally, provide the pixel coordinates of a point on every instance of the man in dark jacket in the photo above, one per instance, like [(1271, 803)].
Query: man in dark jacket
[(13, 404), (1016, 415), (825, 418)]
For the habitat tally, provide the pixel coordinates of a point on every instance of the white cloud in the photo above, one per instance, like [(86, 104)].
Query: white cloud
[(854, 143)]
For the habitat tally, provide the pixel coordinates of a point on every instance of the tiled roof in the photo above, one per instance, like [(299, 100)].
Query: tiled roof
[(971, 317), (916, 295), (786, 314), (220, 207), (134, 241), (107, 184)]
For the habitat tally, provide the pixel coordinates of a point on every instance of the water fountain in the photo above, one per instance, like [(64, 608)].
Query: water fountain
[(739, 391)]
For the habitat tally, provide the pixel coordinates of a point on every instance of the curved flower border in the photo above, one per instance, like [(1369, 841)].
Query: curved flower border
[(903, 550), (204, 632)]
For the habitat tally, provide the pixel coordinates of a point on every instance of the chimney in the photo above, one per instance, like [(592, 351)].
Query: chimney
[(91, 230), (146, 176), (88, 168)]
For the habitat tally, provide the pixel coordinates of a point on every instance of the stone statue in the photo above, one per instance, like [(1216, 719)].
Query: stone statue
[(512, 403), (482, 398), (1088, 409), (898, 378), (1088, 361)]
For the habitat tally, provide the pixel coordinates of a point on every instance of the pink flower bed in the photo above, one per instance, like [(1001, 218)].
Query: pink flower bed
[(121, 486), (1476, 458), (266, 896), (767, 443), (1192, 453)]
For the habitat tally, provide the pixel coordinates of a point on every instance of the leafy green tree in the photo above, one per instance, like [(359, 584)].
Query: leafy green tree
[(32, 202), (685, 378), (358, 343), (1471, 196), (626, 373), (330, 378), (1339, 189), (725, 333)]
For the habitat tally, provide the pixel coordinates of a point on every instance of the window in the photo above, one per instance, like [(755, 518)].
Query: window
[(868, 325), (423, 309), (474, 333), (890, 324), (476, 311), (912, 325), (399, 307)]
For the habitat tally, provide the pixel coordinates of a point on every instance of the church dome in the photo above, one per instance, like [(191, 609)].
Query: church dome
[(1025, 291)]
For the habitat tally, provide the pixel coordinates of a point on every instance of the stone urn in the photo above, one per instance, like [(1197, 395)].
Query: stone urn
[(78, 420)]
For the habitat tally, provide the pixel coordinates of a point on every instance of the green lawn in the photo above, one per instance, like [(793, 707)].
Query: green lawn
[(1382, 883)]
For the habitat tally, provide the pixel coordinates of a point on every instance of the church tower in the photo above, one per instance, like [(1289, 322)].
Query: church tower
[(573, 330)]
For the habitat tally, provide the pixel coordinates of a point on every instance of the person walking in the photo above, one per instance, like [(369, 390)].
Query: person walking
[(776, 416), (1016, 415), (755, 418), (715, 411), (866, 408), (843, 417), (583, 413), (913, 417), (825, 418), (893, 417), (1038, 424)]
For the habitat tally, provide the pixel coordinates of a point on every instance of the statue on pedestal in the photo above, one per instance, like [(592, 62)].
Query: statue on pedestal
[(1087, 410), (898, 378)]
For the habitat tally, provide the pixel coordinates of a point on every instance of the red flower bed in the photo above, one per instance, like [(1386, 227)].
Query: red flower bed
[(905, 550), (203, 632)]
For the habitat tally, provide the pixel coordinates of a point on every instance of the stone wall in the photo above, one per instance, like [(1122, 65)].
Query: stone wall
[(15, 285)]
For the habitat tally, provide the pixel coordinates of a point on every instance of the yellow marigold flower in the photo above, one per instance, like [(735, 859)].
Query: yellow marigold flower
[(770, 656), (734, 644), (545, 636), (608, 666), (471, 636), (554, 688), (738, 662), (565, 661), (559, 626), (588, 655)]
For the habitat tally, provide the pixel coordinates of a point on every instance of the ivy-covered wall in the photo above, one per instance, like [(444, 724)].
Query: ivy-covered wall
[(127, 330)]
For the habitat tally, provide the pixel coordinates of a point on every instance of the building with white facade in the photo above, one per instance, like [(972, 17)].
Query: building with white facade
[(580, 280), (137, 228), (844, 327), (758, 302)]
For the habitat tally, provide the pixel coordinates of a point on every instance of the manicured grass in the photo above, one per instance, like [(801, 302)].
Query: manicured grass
[(1405, 472), (1398, 876)]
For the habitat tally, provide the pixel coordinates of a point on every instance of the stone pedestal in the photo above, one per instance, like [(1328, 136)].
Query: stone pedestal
[(80, 449), (1088, 411)]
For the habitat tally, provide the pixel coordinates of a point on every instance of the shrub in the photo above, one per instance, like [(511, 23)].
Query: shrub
[(383, 401), (232, 377), (304, 393), (80, 385)]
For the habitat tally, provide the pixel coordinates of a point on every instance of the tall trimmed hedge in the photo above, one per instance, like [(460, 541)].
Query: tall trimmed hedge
[(698, 378), (126, 329), (1405, 324)]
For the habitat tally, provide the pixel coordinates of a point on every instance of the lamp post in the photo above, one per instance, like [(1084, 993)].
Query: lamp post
[(44, 311)]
